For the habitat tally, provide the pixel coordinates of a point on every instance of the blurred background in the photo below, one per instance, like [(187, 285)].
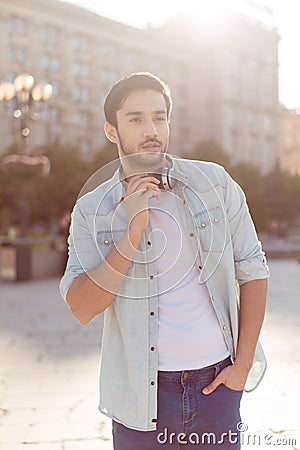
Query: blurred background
[(233, 70)]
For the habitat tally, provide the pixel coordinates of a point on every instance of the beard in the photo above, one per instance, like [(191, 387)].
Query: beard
[(139, 162)]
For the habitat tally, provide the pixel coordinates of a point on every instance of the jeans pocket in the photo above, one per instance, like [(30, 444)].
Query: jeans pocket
[(226, 388)]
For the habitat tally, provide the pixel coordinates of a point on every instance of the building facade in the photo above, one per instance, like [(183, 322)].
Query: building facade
[(290, 141), (224, 80)]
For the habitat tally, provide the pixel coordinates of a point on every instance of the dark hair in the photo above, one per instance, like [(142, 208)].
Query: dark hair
[(136, 81)]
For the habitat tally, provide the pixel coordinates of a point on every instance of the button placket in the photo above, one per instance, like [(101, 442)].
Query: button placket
[(152, 329)]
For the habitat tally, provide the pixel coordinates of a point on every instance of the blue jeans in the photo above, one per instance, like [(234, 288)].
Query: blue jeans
[(186, 418)]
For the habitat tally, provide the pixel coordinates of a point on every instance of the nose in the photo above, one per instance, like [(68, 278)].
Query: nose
[(150, 129)]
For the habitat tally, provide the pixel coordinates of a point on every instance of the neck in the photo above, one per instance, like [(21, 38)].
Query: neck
[(131, 167)]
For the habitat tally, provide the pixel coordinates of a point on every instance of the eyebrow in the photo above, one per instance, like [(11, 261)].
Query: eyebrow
[(139, 113)]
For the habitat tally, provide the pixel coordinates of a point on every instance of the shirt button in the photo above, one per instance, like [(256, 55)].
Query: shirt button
[(152, 349), (152, 313), (216, 220), (149, 243), (203, 225), (200, 267), (151, 277), (192, 234), (152, 383), (106, 242), (154, 420), (224, 327)]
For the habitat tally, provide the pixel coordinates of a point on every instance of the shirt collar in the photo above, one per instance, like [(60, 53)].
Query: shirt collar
[(119, 184)]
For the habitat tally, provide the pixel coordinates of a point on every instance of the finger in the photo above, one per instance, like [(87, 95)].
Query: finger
[(139, 181), (140, 186), (212, 386), (151, 193)]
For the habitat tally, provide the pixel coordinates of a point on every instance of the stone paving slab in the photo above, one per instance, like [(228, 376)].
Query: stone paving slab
[(49, 371)]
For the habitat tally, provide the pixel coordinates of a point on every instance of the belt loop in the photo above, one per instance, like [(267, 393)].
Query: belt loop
[(217, 368)]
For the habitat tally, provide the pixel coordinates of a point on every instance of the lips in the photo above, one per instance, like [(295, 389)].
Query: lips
[(151, 146)]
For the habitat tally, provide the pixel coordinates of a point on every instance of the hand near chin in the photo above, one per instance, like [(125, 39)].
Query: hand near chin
[(139, 191)]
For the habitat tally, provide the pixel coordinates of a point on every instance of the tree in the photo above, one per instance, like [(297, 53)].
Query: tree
[(211, 151), (249, 177), (56, 194), (50, 197)]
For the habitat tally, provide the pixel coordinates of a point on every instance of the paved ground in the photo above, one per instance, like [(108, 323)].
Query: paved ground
[(49, 370)]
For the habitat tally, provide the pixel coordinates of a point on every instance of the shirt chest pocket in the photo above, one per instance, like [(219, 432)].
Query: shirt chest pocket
[(107, 239), (212, 230)]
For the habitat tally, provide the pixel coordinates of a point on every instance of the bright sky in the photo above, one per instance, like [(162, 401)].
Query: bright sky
[(286, 18)]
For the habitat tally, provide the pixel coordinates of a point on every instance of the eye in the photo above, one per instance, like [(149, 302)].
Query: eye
[(135, 119), (160, 119)]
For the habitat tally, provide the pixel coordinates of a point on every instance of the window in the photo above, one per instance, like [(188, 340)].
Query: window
[(251, 123), (85, 70), (17, 54), (75, 69), (156, 65), (233, 118), (45, 61), (10, 77), (55, 64), (50, 35), (51, 63), (268, 126), (108, 76), (22, 27), (251, 148), (76, 93), (108, 51), (51, 115), (12, 25), (81, 43), (233, 69), (134, 58), (251, 82), (268, 86), (81, 118), (81, 94), (77, 118), (22, 55), (55, 86), (84, 146), (85, 94), (45, 114), (85, 119), (80, 69), (54, 115), (17, 25), (11, 52)]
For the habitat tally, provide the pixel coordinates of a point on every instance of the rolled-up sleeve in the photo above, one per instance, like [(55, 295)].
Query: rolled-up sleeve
[(82, 249), (249, 258)]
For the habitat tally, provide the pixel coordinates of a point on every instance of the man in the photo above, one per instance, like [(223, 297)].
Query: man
[(176, 267)]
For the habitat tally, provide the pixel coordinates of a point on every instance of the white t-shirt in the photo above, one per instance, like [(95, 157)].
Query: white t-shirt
[(189, 332)]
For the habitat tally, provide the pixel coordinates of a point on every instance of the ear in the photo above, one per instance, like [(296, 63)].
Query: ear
[(111, 133)]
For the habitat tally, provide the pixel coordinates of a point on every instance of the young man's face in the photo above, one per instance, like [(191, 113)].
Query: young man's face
[(142, 127)]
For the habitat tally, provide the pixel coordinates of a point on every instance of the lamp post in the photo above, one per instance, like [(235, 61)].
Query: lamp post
[(26, 94), (15, 256)]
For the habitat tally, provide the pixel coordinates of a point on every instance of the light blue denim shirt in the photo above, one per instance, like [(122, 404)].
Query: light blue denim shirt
[(216, 218)]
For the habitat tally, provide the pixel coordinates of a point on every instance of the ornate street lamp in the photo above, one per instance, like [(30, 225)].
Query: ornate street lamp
[(26, 95), (16, 257)]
